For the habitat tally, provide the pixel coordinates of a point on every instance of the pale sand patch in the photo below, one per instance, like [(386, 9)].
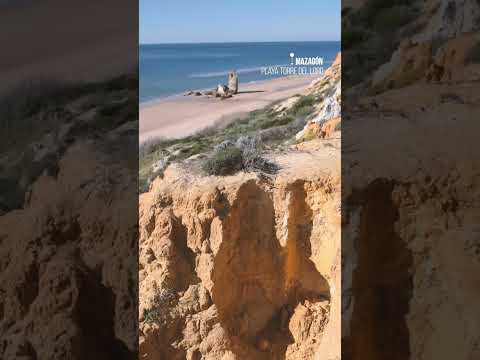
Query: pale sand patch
[(184, 115)]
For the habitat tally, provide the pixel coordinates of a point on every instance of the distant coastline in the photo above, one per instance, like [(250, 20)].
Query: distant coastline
[(239, 42)]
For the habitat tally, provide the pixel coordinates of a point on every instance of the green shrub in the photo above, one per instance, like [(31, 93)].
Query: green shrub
[(309, 137), (304, 101), (303, 107), (224, 162), (245, 154), (279, 121)]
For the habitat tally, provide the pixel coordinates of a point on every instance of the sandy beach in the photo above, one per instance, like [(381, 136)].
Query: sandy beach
[(184, 115)]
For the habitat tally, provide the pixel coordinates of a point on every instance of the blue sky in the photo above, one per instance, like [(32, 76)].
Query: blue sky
[(173, 21)]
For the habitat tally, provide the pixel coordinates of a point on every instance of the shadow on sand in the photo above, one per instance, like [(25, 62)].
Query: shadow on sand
[(250, 92)]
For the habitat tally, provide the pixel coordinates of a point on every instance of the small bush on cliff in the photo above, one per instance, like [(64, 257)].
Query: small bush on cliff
[(304, 106), (276, 121), (231, 157), (226, 161)]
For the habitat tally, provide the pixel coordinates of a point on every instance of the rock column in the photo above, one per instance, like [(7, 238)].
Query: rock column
[(233, 82)]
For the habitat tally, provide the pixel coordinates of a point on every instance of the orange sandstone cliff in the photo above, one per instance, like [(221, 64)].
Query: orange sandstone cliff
[(243, 267)]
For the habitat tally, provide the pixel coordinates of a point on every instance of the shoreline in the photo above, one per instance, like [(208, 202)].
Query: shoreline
[(153, 101), (178, 116), (171, 97)]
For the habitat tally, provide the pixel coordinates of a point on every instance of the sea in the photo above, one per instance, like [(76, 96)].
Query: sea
[(171, 69)]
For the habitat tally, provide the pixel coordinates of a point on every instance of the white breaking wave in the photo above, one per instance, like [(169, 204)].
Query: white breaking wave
[(226, 72), (214, 74)]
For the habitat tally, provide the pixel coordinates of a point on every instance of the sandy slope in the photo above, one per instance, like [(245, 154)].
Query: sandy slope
[(182, 115)]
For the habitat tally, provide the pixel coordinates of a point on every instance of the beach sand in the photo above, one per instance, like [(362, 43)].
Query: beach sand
[(181, 116)]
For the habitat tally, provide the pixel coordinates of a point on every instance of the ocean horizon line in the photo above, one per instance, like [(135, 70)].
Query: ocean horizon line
[(239, 42)]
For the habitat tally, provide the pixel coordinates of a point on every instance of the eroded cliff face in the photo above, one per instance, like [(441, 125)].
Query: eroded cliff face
[(410, 248), (68, 239), (410, 197), (243, 267), (66, 264)]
